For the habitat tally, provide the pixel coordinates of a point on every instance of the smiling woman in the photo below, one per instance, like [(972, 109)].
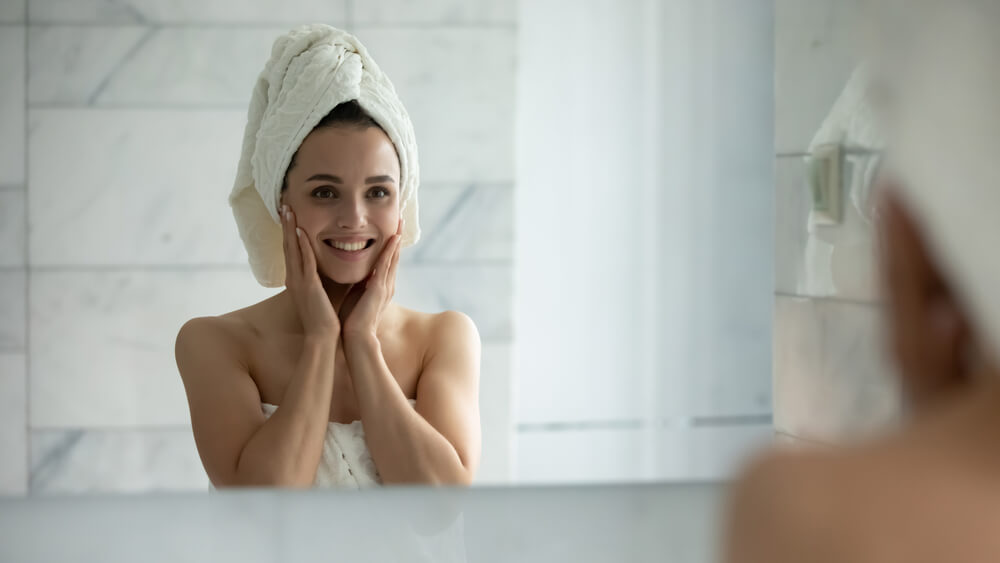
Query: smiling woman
[(330, 383)]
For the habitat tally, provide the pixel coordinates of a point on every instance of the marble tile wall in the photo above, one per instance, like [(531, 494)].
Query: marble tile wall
[(13, 252), (832, 379), (120, 129)]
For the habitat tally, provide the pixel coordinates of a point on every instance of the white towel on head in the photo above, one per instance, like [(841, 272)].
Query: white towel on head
[(945, 144), (312, 69)]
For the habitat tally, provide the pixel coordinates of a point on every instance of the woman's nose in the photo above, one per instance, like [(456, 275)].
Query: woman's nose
[(352, 215)]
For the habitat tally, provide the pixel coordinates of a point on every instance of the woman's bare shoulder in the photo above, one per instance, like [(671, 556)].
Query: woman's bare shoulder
[(222, 338), (782, 502), (434, 327)]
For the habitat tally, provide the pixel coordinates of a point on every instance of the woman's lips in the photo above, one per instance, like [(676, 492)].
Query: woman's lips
[(349, 255)]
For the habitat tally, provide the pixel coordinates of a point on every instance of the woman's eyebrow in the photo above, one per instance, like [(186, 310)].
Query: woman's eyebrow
[(336, 179)]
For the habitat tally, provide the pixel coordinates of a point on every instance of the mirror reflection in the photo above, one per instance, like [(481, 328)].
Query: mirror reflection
[(521, 262)]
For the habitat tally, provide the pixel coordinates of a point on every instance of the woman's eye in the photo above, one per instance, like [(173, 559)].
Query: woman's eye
[(379, 193), (324, 193)]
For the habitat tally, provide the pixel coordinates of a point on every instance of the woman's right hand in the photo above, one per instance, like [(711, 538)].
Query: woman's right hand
[(302, 280)]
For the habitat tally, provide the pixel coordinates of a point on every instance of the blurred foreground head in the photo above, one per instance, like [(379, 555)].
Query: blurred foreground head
[(939, 64)]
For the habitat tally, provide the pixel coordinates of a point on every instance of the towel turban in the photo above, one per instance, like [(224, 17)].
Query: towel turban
[(312, 69)]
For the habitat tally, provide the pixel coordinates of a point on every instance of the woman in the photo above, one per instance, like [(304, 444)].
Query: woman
[(929, 491), (330, 383)]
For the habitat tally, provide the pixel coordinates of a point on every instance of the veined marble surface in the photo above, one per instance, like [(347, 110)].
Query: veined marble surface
[(13, 228), (146, 66), (13, 423), (435, 12), (249, 12), (456, 83), (832, 380), (132, 203), (147, 187), (122, 458), (12, 96), (13, 309), (115, 461), (817, 45), (102, 346), (13, 11)]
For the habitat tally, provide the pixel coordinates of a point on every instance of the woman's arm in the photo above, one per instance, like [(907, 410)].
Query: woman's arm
[(237, 444), (439, 442)]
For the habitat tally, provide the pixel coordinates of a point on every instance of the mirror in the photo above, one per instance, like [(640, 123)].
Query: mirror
[(601, 210)]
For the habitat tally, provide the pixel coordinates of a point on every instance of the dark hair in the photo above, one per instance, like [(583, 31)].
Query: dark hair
[(346, 114)]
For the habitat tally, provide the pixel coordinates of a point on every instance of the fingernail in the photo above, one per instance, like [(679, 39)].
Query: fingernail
[(298, 231)]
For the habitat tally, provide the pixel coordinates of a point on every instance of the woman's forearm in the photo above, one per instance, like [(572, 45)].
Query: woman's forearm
[(404, 446), (285, 451)]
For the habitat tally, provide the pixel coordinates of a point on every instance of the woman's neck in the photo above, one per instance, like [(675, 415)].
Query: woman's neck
[(335, 292)]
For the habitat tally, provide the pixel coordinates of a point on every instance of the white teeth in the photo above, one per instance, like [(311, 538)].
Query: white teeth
[(350, 247)]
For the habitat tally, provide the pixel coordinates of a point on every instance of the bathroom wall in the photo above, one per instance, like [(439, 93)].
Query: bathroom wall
[(120, 130), (643, 218), (831, 377)]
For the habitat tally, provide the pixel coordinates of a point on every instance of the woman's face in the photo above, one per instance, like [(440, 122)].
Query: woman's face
[(344, 191)]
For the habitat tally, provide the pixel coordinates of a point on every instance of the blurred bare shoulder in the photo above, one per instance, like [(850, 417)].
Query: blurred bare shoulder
[(781, 505)]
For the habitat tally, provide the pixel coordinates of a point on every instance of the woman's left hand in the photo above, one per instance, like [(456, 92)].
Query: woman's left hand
[(364, 304)]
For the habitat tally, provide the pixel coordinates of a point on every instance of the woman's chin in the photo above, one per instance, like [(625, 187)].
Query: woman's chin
[(344, 277)]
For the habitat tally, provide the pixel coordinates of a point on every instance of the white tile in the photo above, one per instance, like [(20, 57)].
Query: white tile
[(12, 94), (832, 379), (13, 310), (708, 453), (458, 87), (632, 453), (435, 12), (147, 187), (73, 64), (13, 225), (291, 12), (13, 11), (483, 292), (115, 461), (124, 324), (823, 260), (580, 456), (729, 360), (496, 415), (13, 424), (817, 45), (132, 65), (465, 223)]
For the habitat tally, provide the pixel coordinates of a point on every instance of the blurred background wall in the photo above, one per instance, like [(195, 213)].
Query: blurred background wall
[(644, 243)]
